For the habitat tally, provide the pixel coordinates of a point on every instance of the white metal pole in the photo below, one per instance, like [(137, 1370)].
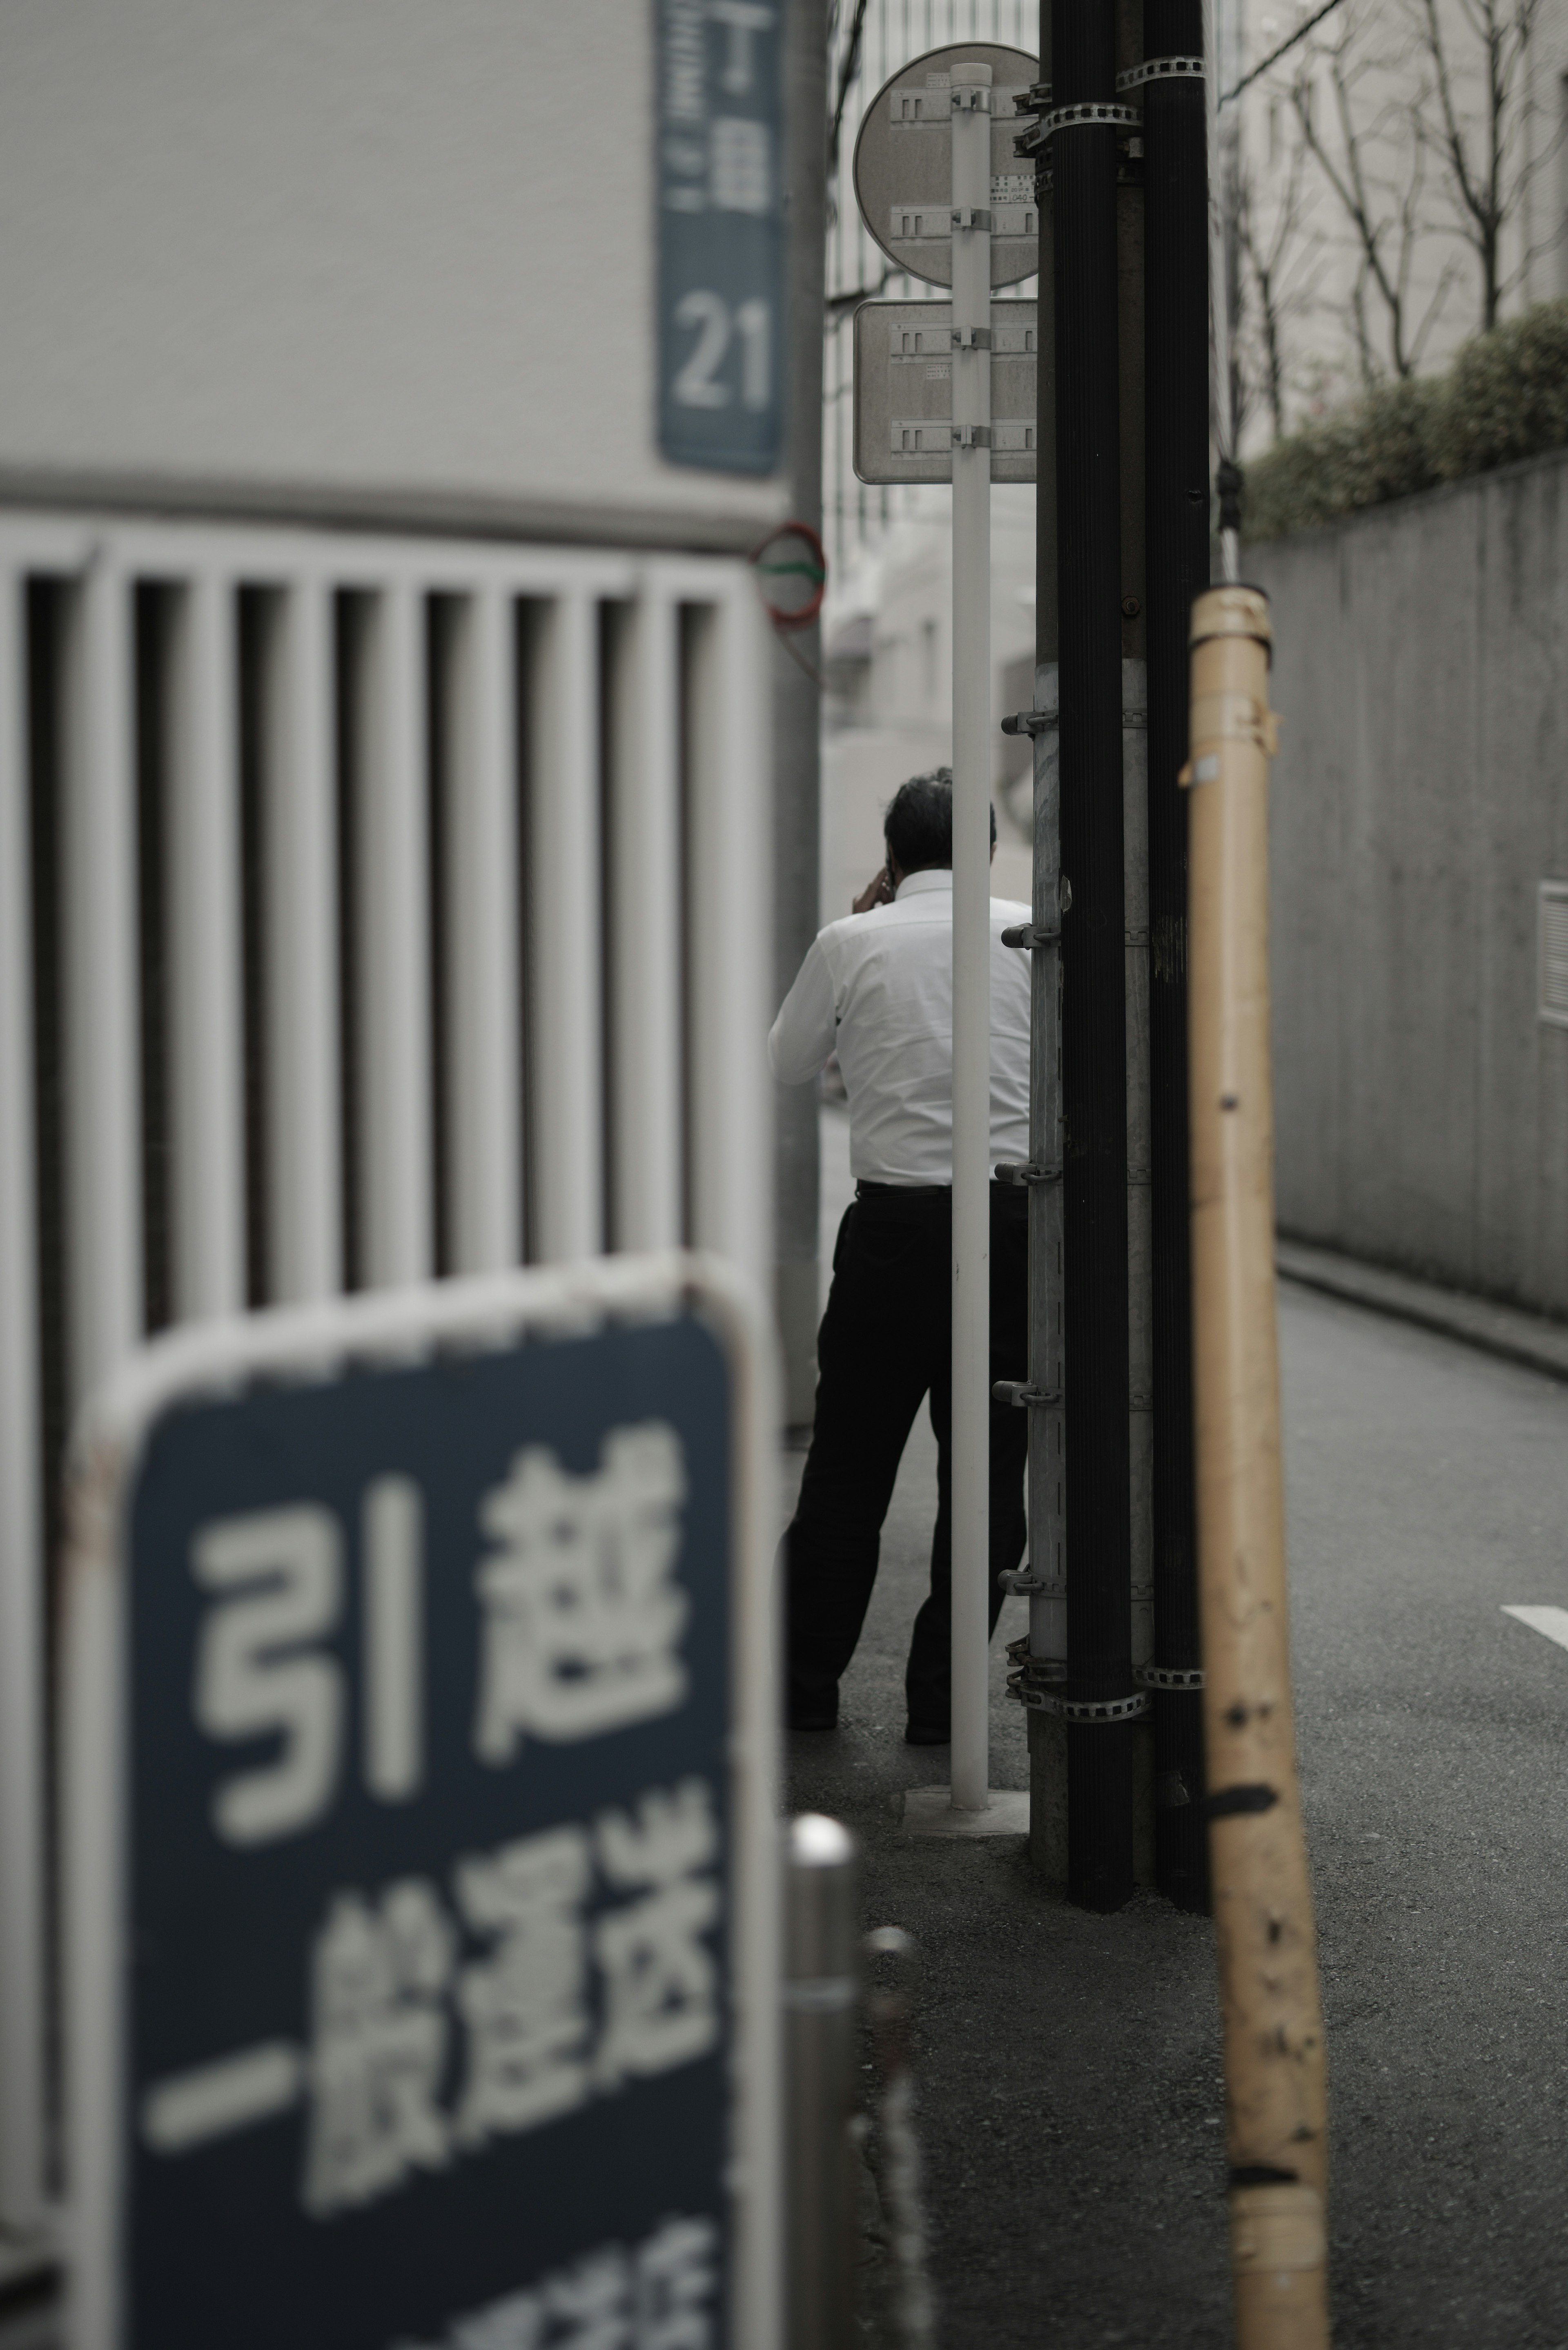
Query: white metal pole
[(103, 983), (642, 856), (726, 814), (21, 1670), (483, 992), (564, 1026), (299, 894), (391, 819), (972, 935), (205, 998)]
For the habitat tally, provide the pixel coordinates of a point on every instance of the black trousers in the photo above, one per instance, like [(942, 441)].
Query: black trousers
[(886, 1344)]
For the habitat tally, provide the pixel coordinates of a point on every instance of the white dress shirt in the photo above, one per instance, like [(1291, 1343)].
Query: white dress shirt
[(877, 989)]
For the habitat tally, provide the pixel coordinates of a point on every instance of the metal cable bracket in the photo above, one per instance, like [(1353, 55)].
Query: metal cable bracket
[(1022, 1582), (969, 97), (1024, 935), (1169, 1677), (1161, 69), (972, 339), (972, 216), (1090, 114), (1027, 1667), (1031, 722), (1035, 100), (1020, 1392), (1085, 1709), (1025, 1170), (971, 436)]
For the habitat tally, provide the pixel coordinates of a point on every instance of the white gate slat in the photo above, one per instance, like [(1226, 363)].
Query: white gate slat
[(392, 903), (728, 935), (564, 1023), (204, 966), (300, 898), (643, 857), (21, 1585), (484, 986), (101, 982)]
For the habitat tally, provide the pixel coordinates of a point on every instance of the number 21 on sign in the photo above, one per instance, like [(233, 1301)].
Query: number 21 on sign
[(698, 385)]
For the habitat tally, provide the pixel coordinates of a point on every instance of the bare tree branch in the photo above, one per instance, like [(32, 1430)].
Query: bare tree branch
[(1385, 219), (1279, 292), (1485, 163)]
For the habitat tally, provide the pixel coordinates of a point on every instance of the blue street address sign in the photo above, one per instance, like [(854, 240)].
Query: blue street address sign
[(407, 1845), (719, 190)]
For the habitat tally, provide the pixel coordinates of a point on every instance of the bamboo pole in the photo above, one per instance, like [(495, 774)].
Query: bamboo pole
[(1263, 1901)]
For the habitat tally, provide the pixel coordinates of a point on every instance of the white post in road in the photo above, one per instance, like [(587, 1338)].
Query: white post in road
[(971, 934)]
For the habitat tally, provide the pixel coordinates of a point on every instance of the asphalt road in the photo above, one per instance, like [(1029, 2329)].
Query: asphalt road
[(1070, 2068), (1069, 2065)]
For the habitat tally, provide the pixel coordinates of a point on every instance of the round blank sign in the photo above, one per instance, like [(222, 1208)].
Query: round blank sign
[(904, 164)]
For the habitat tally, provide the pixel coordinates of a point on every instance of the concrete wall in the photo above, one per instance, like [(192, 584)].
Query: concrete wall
[(376, 257), (1421, 794)]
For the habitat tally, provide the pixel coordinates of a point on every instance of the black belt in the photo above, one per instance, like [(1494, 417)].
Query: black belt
[(866, 1189)]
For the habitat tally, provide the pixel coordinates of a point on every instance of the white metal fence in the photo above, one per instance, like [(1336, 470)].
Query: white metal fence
[(369, 909)]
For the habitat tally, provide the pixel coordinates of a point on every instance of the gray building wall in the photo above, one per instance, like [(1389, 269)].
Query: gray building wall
[(379, 258), (1420, 796)]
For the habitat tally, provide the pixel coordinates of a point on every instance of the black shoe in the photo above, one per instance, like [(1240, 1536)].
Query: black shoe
[(927, 1733)]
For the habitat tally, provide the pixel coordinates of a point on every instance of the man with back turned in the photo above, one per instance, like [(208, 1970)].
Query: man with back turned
[(877, 989)]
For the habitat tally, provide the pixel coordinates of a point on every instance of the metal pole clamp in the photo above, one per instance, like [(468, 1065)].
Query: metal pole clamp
[(1090, 114), (1161, 69), (1098, 1711)]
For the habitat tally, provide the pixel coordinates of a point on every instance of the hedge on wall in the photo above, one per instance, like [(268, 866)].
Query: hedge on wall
[(1505, 397)]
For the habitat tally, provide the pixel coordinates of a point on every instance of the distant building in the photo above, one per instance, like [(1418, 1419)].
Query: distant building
[(888, 633), (1353, 251), (888, 643)]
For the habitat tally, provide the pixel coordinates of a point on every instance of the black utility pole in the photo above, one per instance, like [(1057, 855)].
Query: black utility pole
[(1177, 544), (1083, 155)]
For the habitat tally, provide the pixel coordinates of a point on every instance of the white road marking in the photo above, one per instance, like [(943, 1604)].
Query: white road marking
[(231, 2094), (1552, 1621)]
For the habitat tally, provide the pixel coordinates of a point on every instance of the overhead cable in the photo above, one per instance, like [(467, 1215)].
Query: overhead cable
[(1275, 55), (849, 73)]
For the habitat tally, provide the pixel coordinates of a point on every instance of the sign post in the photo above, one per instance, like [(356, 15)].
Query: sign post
[(970, 92), (992, 228), (421, 1919)]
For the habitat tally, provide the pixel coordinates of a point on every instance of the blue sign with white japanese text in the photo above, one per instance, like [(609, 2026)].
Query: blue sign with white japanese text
[(426, 2014), (721, 232)]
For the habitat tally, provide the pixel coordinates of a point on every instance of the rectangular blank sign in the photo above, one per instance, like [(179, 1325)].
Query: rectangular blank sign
[(904, 392)]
